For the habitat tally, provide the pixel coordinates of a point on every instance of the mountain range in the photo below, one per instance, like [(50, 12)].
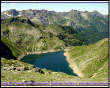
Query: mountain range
[(93, 26)]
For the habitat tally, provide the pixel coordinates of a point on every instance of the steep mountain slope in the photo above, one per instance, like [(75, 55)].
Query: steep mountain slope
[(21, 36), (91, 60), (92, 25)]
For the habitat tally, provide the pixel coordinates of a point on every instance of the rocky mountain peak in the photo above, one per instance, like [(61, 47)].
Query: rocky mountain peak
[(96, 13), (12, 12), (73, 11)]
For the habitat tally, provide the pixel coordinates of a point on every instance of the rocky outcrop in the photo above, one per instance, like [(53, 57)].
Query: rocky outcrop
[(15, 67)]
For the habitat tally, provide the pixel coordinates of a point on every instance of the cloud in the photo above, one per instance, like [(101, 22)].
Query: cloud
[(13, 4)]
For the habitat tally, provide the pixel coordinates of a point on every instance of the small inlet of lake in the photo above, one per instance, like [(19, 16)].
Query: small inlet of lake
[(55, 61)]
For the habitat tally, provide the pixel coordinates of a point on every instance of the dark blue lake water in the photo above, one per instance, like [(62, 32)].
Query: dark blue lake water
[(55, 61)]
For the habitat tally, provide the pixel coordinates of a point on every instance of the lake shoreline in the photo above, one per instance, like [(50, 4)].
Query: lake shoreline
[(38, 52), (72, 64)]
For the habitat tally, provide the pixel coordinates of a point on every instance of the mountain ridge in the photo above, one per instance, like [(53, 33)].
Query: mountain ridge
[(92, 23)]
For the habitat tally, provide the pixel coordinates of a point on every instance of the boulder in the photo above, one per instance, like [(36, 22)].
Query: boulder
[(14, 68), (6, 65), (4, 68), (19, 68), (31, 67), (40, 71), (26, 68), (35, 70)]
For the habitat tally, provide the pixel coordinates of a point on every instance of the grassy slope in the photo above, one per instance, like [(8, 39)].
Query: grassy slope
[(92, 60), (16, 52), (31, 76), (21, 36), (95, 27), (18, 76)]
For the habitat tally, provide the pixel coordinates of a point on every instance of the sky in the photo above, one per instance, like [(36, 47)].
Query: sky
[(58, 7)]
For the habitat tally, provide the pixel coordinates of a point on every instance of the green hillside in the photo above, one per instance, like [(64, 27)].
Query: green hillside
[(92, 60), (21, 36)]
